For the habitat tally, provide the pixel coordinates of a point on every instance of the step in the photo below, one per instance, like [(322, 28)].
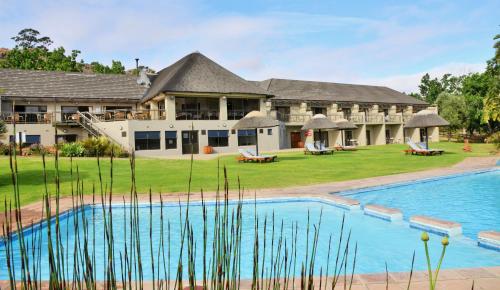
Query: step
[(385, 213), (437, 226), (489, 240), (344, 202)]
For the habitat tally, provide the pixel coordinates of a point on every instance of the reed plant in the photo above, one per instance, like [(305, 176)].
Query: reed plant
[(74, 260)]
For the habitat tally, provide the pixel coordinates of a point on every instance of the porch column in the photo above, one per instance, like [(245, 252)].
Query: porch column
[(170, 107), (154, 110), (223, 108)]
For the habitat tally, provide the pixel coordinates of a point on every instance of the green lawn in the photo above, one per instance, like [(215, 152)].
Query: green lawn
[(292, 169)]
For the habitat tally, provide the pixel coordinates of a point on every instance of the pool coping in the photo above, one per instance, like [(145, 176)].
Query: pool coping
[(484, 278)]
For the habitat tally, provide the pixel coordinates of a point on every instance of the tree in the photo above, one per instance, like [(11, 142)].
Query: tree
[(116, 67), (42, 59), (29, 38), (452, 107), (431, 88)]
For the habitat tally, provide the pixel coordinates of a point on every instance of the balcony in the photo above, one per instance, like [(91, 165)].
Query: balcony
[(374, 118), (27, 118), (293, 118), (356, 118), (407, 117), (394, 119)]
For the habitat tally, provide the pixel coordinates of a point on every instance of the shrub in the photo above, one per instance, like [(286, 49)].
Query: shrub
[(72, 150), (37, 149), (102, 146), (494, 139), (4, 149)]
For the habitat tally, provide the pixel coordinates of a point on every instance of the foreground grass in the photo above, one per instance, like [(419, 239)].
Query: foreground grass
[(293, 168)]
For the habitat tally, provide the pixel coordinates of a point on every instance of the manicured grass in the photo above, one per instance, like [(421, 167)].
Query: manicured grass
[(293, 168)]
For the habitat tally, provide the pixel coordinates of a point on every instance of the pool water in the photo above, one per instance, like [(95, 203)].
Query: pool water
[(472, 200), (378, 241)]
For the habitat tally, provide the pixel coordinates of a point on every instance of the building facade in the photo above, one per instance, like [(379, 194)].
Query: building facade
[(194, 103)]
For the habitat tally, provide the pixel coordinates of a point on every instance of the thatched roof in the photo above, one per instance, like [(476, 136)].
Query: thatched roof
[(196, 73), (254, 120), (344, 124), (335, 92), (319, 121), (426, 118)]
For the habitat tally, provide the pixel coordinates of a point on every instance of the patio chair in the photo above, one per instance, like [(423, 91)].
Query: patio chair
[(253, 153), (416, 150), (246, 156), (311, 149), (339, 147)]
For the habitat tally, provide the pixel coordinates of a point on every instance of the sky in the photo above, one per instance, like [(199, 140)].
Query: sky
[(390, 43)]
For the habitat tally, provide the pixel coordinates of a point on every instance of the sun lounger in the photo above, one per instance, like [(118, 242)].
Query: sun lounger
[(309, 148), (247, 156), (345, 148), (417, 150)]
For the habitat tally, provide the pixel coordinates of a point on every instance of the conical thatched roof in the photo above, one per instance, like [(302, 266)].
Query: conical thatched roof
[(319, 121), (254, 120), (197, 73), (345, 124), (426, 118)]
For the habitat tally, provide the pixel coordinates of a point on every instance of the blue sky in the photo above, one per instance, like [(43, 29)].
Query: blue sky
[(388, 43)]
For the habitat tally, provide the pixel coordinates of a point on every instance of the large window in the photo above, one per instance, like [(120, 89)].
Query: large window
[(147, 140), (238, 108), (30, 139), (193, 108), (68, 112), (246, 137), (170, 139), (218, 138)]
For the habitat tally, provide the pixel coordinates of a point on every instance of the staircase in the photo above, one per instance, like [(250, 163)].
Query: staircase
[(87, 121)]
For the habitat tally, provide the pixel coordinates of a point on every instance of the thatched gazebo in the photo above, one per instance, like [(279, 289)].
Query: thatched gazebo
[(319, 122), (255, 120), (344, 124), (426, 119)]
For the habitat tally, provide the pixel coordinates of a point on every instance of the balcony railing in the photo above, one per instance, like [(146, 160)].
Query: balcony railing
[(356, 118), (394, 118), (27, 118), (197, 115), (335, 117), (407, 117), (293, 118), (375, 119)]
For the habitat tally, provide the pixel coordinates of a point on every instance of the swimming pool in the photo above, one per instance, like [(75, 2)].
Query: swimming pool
[(378, 241), (471, 199)]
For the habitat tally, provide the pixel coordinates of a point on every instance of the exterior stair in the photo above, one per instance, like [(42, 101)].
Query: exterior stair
[(87, 121)]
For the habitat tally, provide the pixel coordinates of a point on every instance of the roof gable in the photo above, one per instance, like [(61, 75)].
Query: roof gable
[(197, 73)]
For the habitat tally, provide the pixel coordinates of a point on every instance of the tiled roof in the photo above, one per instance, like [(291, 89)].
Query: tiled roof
[(325, 91), (196, 73), (16, 83)]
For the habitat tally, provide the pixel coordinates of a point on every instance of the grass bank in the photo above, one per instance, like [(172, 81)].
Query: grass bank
[(293, 168)]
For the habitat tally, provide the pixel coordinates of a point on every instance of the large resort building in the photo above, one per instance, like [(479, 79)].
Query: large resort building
[(195, 103)]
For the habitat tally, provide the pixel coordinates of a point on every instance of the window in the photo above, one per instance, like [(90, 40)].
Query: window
[(269, 131), (147, 140), (193, 108), (170, 139), (246, 137), (69, 111), (218, 138), (66, 138), (318, 110), (30, 139), (238, 108)]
